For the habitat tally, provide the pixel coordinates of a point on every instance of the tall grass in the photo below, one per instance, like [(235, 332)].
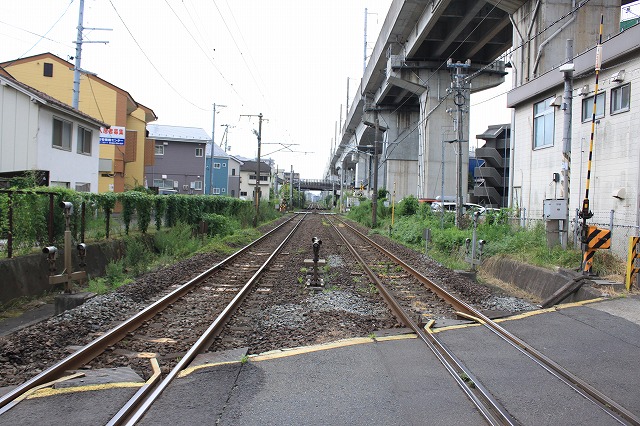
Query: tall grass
[(447, 243)]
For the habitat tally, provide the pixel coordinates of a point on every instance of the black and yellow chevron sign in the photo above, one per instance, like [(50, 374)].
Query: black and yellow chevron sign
[(598, 238), (632, 261)]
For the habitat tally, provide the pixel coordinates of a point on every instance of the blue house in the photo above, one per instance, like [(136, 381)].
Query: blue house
[(217, 171)]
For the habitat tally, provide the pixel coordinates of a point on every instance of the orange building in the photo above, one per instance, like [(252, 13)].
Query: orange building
[(121, 165)]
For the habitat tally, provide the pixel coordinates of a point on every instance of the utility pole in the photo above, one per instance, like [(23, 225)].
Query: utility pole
[(77, 69), (459, 99), (225, 136), (213, 141), (366, 12), (374, 196), (567, 105), (257, 190), (364, 65), (291, 189)]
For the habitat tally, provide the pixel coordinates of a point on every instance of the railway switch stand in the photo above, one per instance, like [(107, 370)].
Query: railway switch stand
[(68, 275), (314, 280)]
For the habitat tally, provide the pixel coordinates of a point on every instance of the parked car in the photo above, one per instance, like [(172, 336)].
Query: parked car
[(451, 207)]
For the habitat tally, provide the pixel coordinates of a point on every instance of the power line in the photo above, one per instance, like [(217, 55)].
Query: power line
[(150, 62), (203, 51), (239, 51), (49, 30), (255, 66), (35, 34)]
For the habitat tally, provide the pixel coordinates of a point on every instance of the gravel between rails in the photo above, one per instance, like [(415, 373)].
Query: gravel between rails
[(285, 314)]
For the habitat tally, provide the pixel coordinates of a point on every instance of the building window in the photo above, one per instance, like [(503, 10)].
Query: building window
[(224, 164), (164, 183), (59, 184), (84, 140), (620, 97), (199, 152), (587, 107), (233, 172), (48, 69), (62, 133), (543, 123), (197, 185), (243, 193), (159, 149), (216, 165), (83, 187), (224, 190), (263, 178), (216, 191)]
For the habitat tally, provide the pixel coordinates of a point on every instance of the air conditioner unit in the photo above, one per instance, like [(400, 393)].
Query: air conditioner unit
[(618, 77), (176, 184), (105, 165)]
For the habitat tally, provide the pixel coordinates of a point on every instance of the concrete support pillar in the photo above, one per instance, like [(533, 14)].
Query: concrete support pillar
[(437, 127)]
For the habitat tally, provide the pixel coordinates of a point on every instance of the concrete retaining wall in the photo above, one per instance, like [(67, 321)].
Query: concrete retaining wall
[(28, 276), (535, 280)]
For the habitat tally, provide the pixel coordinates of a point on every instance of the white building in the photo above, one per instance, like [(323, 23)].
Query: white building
[(539, 168), (40, 133), (248, 180)]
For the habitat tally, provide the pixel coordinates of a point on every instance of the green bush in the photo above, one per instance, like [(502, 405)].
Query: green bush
[(218, 224), (177, 241), (408, 206), (138, 255)]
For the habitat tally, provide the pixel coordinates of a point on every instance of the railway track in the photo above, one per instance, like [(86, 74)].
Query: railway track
[(407, 307), (221, 289), (277, 312)]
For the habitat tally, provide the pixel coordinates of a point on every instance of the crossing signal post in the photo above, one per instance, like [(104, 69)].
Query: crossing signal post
[(590, 233)]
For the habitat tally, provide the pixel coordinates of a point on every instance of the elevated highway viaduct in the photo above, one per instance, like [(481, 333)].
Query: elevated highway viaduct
[(410, 101)]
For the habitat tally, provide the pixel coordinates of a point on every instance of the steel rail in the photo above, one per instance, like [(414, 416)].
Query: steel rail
[(488, 406), (611, 407), (90, 351), (202, 342)]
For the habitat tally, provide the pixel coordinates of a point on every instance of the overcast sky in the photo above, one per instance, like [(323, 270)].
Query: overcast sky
[(287, 59)]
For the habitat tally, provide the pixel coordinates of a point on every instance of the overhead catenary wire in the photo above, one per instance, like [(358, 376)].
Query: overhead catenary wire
[(203, 51), (151, 62), (239, 51)]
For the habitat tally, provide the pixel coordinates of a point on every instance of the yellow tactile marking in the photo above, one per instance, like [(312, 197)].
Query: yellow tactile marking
[(307, 349), (51, 392), (190, 370), (397, 337), (524, 314), (281, 353)]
